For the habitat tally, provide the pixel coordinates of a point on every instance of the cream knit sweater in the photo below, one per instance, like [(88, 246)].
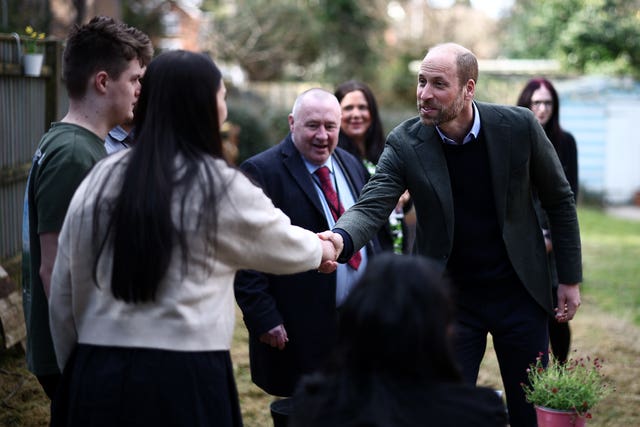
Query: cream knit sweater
[(192, 312)]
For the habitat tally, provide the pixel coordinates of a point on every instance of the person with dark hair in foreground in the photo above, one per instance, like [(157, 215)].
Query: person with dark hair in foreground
[(142, 307), (393, 365)]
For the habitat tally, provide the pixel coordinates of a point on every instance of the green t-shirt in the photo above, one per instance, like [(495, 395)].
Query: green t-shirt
[(64, 156)]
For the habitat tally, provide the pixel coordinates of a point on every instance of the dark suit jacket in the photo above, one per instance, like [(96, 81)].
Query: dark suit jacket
[(520, 157), (305, 303)]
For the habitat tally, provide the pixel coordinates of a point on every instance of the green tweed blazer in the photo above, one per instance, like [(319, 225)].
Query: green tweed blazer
[(521, 159)]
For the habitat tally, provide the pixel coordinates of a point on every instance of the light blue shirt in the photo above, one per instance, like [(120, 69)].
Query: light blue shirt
[(473, 133), (117, 139), (346, 276)]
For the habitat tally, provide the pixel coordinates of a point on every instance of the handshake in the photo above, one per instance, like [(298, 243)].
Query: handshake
[(332, 245)]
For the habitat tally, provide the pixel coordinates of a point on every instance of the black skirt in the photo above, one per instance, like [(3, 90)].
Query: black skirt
[(117, 386)]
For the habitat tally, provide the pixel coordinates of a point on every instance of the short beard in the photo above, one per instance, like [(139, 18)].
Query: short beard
[(446, 114)]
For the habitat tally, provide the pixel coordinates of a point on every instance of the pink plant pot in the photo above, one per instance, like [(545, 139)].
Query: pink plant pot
[(554, 418)]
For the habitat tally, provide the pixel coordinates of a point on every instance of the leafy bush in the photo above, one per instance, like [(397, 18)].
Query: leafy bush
[(261, 126)]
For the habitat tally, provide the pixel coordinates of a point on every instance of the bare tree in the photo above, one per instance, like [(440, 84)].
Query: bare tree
[(265, 39)]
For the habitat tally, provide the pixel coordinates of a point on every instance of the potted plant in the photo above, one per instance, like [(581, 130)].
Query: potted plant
[(565, 391), (33, 52)]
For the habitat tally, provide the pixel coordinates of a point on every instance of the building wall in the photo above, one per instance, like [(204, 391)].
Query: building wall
[(182, 28), (602, 114), (63, 14), (586, 122), (622, 159)]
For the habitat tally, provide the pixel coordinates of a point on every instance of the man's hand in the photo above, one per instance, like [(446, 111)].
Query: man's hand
[(331, 247), (568, 302), (276, 337), (335, 239), (403, 200)]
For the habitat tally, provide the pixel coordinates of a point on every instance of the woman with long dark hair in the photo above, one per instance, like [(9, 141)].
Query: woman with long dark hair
[(362, 134), (361, 130), (142, 306), (393, 364), (541, 98)]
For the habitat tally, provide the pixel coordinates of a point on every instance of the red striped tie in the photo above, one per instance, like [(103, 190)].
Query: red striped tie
[(335, 206)]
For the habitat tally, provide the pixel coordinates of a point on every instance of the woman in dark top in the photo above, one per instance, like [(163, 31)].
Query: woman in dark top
[(362, 134), (361, 131), (541, 98), (393, 365)]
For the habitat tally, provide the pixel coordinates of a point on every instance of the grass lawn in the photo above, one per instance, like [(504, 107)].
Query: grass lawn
[(611, 263), (607, 326)]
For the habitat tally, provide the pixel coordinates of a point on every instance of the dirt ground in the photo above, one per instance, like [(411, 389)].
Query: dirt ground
[(595, 333), (617, 342)]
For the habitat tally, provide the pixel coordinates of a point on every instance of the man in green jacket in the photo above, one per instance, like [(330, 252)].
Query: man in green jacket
[(104, 61), (471, 169)]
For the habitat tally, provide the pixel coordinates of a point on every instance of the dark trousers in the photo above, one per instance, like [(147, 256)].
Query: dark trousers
[(560, 339), (518, 326), (559, 333), (49, 384)]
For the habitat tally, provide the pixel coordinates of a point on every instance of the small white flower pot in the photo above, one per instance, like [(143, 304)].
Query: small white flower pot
[(33, 64)]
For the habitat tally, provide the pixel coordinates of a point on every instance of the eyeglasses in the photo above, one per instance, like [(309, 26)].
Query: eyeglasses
[(538, 104)]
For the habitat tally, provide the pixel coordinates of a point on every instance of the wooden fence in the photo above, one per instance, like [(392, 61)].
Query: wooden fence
[(27, 106)]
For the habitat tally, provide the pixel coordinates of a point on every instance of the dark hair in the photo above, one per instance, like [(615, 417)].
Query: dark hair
[(102, 44), (374, 141), (393, 340), (176, 120), (552, 127), (404, 303)]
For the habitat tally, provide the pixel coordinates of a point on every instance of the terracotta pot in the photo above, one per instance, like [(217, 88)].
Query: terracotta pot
[(555, 418)]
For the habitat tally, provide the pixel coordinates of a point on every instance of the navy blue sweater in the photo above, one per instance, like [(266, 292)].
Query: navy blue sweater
[(478, 251)]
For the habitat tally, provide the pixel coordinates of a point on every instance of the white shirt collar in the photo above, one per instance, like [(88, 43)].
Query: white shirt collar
[(312, 168)]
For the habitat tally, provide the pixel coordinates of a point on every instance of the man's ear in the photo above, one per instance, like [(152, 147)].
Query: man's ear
[(470, 89), (100, 81), (290, 118)]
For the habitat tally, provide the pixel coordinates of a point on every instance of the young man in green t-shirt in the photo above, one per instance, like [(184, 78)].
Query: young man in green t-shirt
[(103, 63)]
